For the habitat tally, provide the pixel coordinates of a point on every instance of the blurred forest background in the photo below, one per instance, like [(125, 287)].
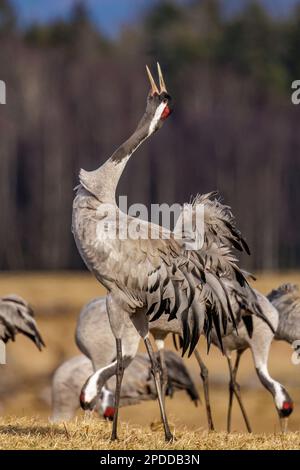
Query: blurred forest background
[(74, 94)]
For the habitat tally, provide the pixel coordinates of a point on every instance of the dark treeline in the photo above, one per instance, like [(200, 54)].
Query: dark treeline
[(74, 95)]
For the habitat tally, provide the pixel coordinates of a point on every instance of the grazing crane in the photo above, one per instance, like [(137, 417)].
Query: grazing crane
[(16, 316), (259, 344), (150, 273), (282, 307), (96, 341), (137, 384)]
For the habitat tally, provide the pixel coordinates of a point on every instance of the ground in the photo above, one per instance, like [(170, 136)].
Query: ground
[(25, 383)]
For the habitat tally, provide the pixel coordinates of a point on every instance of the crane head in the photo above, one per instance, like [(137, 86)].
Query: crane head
[(158, 101)]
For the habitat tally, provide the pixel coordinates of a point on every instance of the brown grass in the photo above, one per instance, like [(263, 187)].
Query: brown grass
[(32, 433), (25, 380)]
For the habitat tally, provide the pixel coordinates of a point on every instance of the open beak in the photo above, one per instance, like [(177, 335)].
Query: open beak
[(162, 84), (154, 87)]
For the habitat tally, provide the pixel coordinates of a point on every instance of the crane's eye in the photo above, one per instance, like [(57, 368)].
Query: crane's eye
[(164, 97)]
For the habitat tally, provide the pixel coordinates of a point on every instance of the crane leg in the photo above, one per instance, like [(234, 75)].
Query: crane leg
[(119, 377), (204, 377), (155, 369), (234, 389), (164, 374)]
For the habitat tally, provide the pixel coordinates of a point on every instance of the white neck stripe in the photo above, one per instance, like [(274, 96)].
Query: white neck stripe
[(156, 117)]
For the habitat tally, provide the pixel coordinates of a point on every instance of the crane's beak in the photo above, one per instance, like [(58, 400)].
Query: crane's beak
[(154, 87), (162, 84)]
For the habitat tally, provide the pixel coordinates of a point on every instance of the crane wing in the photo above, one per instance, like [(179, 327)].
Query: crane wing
[(219, 238), (160, 274)]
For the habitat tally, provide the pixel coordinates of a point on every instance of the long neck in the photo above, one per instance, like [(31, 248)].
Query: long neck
[(279, 393), (103, 182)]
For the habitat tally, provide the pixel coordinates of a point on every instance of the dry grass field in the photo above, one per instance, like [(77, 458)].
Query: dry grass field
[(25, 383), (32, 433)]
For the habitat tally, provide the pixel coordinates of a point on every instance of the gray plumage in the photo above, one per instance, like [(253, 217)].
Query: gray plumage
[(16, 316), (96, 341), (286, 299), (159, 275), (138, 384)]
